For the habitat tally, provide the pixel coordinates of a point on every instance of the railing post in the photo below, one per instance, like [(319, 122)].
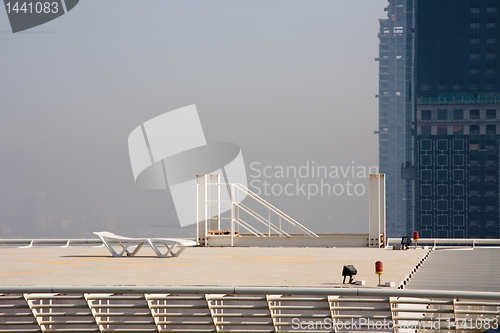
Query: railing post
[(232, 214), (201, 210), (268, 222)]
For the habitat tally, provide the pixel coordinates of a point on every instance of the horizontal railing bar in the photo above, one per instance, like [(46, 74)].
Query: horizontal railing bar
[(126, 322), (179, 306), (31, 322), (361, 316), (187, 330), (156, 297), (17, 314), (196, 323), (355, 308), (67, 322), (243, 306), (122, 314), (62, 314), (118, 306), (235, 298), (49, 330), (126, 330), (22, 330), (13, 306), (298, 307), (58, 306), (176, 314), (256, 290), (447, 241), (243, 315)]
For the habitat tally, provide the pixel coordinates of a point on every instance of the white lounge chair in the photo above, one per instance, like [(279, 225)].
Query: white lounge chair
[(125, 242)]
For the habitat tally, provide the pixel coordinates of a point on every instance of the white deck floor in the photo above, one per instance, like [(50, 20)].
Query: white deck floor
[(241, 266)]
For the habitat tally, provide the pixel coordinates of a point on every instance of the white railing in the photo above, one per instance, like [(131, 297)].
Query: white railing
[(233, 309), (436, 242), (29, 242), (260, 219)]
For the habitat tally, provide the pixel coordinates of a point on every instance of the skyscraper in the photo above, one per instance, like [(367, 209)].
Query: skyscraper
[(457, 118), (392, 111)]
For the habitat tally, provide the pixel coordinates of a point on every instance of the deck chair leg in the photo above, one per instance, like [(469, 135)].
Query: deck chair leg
[(158, 252), (110, 249), (178, 252)]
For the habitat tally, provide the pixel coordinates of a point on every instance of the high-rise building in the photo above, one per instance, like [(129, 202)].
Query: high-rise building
[(457, 118), (392, 96)]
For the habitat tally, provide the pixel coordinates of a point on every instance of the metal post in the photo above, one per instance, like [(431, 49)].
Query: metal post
[(201, 237), (232, 214), (214, 204)]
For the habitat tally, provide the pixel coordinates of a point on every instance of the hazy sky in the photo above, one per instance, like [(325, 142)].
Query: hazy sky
[(288, 81)]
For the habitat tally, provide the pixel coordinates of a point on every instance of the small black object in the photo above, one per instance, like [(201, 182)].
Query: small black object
[(405, 242), (349, 271)]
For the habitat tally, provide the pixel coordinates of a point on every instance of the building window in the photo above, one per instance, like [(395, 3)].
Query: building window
[(426, 115), (491, 144), (442, 175), (442, 160), (474, 69), (425, 175), (491, 159), (458, 160), (458, 129), (442, 145), (474, 205), (474, 144), (491, 68), (458, 114), (492, 7), (425, 190), (491, 38), (441, 84), (458, 144), (442, 190), (426, 145), (474, 54), (491, 129), (491, 84), (474, 130), (442, 220), (474, 84), (491, 22), (491, 190), (458, 190), (491, 54), (491, 114), (491, 174), (474, 190), (425, 130), (442, 130), (474, 160), (426, 219), (426, 204), (474, 38), (474, 175), (458, 84), (458, 205), (426, 160), (458, 175), (442, 205), (475, 7), (474, 114), (442, 114)]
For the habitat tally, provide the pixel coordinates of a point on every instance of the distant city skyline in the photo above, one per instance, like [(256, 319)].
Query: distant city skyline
[(288, 81)]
